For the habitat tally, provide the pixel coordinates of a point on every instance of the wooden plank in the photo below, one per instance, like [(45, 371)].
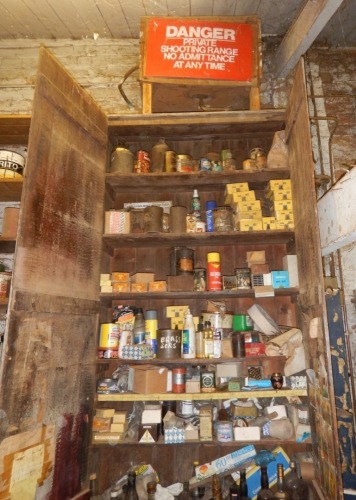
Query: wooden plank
[(11, 189), (306, 27), (339, 230), (14, 129)]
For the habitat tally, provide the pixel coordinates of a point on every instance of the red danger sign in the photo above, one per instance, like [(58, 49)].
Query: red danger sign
[(198, 49)]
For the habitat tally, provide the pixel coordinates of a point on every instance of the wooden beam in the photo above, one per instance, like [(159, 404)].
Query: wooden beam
[(310, 21)]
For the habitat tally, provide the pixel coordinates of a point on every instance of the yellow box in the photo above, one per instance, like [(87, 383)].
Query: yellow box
[(280, 184), (268, 223), (239, 196), (175, 311), (284, 224), (249, 206), (177, 323), (119, 276), (117, 222), (280, 205), (250, 225), (157, 286), (236, 187), (139, 287), (280, 194), (284, 215), (253, 214), (118, 427), (119, 417), (105, 412), (119, 287)]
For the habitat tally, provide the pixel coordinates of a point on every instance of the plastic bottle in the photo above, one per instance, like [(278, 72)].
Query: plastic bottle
[(151, 329), (208, 340), (188, 336), (217, 343), (214, 281), (196, 204), (139, 327), (199, 340)]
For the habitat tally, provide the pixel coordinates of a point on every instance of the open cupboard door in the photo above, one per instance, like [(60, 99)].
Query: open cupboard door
[(48, 362), (312, 304)]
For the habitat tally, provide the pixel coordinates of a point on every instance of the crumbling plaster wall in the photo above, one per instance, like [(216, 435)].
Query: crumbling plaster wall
[(99, 66)]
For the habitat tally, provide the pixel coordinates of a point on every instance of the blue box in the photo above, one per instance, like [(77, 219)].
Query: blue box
[(253, 474), (280, 279)]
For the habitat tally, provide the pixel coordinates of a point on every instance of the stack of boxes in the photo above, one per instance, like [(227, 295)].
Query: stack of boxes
[(246, 209), (109, 425), (280, 204), (123, 282)]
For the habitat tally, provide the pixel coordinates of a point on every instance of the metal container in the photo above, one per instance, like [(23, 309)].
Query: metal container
[(169, 343), (122, 161), (184, 163), (143, 163), (218, 319), (222, 217)]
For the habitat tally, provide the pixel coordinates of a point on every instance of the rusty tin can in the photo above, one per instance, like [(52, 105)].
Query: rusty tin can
[(143, 163)]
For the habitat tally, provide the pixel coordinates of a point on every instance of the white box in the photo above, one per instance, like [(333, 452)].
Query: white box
[(225, 463), (279, 409), (231, 370), (247, 433), (290, 264), (152, 414)]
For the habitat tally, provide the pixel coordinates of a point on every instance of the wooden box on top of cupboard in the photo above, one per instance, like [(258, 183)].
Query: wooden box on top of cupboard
[(50, 366)]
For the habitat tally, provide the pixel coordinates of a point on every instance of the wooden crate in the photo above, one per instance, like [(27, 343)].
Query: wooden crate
[(200, 64)]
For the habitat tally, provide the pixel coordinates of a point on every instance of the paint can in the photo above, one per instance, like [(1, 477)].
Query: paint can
[(143, 163), (109, 335), (169, 344), (179, 376)]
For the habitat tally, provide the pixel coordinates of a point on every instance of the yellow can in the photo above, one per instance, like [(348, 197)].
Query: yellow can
[(109, 335)]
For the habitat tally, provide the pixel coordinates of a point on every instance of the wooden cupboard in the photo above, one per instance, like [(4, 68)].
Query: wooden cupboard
[(49, 365)]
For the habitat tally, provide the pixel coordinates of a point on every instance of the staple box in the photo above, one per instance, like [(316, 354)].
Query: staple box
[(284, 215), (142, 277), (120, 427), (148, 379), (117, 222), (281, 205), (175, 311), (280, 194), (252, 214), (278, 184), (249, 206), (284, 224), (239, 196), (236, 187), (105, 412), (138, 287), (249, 225)]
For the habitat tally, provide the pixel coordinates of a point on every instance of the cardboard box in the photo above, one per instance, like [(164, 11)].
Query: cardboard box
[(173, 435), (118, 427), (108, 437), (152, 414), (249, 206), (282, 205), (249, 225), (247, 433), (148, 379), (120, 287), (236, 187), (139, 351), (191, 433), (244, 409), (117, 222), (157, 286), (105, 412), (106, 289), (192, 386), (138, 287), (101, 424), (142, 277), (285, 225), (256, 257), (279, 184), (119, 276), (253, 474), (119, 417), (290, 264), (283, 215), (175, 311), (230, 370), (259, 268), (148, 433), (255, 349), (280, 194), (240, 196), (279, 409), (223, 464), (252, 215), (268, 223), (141, 205), (280, 279), (226, 348), (180, 283)]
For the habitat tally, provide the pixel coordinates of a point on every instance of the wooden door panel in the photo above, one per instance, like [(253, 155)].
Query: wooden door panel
[(311, 297), (48, 366)]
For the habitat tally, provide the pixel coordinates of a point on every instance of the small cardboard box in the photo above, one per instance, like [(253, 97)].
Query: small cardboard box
[(247, 433), (142, 277), (255, 349), (256, 257), (249, 225), (157, 286), (148, 433), (105, 412), (280, 194), (290, 264), (280, 279), (284, 215), (117, 222), (249, 206), (231, 370), (119, 276), (138, 287), (119, 417), (173, 435), (108, 437), (192, 386), (259, 268), (279, 184), (101, 424), (236, 187), (226, 348), (118, 427), (152, 414), (120, 287), (284, 224), (148, 379), (252, 214), (282, 205), (225, 463), (175, 311), (268, 223), (180, 283)]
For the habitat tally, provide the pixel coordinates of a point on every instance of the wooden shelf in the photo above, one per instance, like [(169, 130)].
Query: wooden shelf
[(183, 181), (112, 241), (202, 396), (108, 298), (10, 189), (194, 362)]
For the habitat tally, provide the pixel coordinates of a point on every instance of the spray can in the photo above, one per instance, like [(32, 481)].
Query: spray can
[(151, 329), (214, 272)]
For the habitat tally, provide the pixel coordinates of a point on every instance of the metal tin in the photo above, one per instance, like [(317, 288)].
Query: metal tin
[(226, 157), (224, 432), (109, 335), (169, 344), (217, 319), (256, 152), (184, 163), (122, 161), (207, 381), (243, 277), (108, 353), (223, 218), (178, 380), (184, 260), (170, 161), (143, 164), (204, 164), (249, 164)]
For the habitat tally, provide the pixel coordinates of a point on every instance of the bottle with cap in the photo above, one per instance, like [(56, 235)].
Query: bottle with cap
[(196, 207), (199, 339), (151, 329), (188, 336), (214, 272), (139, 327)]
